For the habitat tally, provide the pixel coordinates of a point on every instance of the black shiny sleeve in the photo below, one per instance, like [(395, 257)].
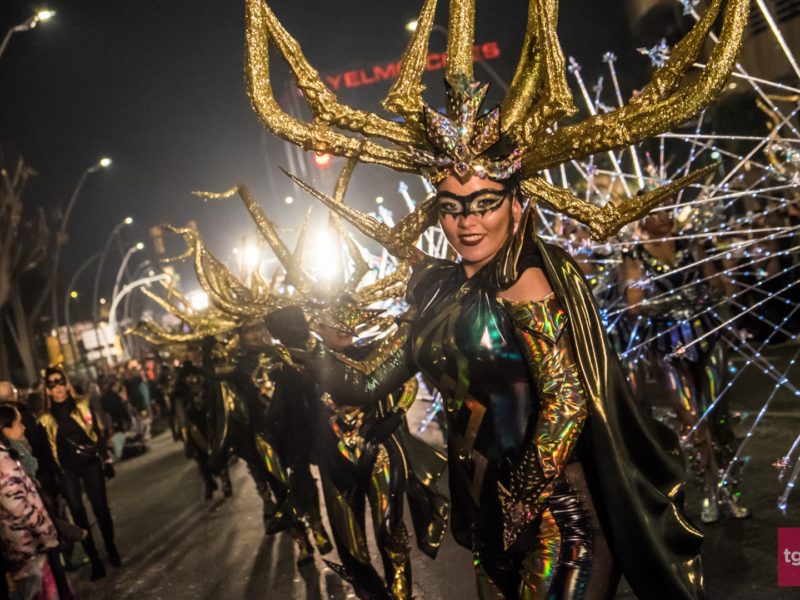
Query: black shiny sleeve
[(355, 383)]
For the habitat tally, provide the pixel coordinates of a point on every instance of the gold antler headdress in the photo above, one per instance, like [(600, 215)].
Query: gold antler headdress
[(343, 305), (517, 137)]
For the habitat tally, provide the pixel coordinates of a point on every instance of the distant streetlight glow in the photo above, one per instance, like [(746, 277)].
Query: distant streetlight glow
[(45, 15), (379, 200), (140, 246), (128, 220), (102, 300), (411, 26), (73, 294), (31, 23), (235, 251), (103, 163), (288, 200)]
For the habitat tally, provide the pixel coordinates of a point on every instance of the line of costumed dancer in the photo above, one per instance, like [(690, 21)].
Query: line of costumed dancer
[(559, 482)]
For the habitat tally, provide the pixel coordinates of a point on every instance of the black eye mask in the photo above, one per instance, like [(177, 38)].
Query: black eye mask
[(477, 203)]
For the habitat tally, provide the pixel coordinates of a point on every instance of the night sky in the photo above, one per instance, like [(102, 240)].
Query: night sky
[(159, 87)]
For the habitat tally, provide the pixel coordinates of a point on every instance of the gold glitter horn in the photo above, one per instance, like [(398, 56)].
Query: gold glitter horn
[(520, 136)]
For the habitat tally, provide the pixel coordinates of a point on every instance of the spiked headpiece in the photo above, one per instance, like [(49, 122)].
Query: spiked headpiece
[(517, 137)]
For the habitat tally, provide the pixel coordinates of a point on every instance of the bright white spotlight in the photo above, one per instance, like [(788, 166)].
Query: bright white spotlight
[(140, 246), (105, 162), (252, 256), (379, 200), (325, 252), (128, 220), (45, 15), (288, 200), (411, 26), (198, 300)]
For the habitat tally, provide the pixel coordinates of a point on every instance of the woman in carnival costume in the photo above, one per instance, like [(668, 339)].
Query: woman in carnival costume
[(670, 292), (557, 480), (361, 462)]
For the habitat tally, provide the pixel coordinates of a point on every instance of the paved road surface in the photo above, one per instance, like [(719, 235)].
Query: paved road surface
[(177, 546)]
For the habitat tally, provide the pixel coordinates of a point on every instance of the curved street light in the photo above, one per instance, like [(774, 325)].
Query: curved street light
[(39, 17), (61, 238), (112, 314), (71, 294), (96, 292), (133, 249), (138, 247), (131, 344)]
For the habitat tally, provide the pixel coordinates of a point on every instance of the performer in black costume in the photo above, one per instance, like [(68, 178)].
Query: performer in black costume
[(190, 397), (360, 465), (273, 438), (79, 447)]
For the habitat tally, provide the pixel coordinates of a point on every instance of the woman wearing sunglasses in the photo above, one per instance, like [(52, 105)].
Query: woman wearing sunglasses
[(79, 448)]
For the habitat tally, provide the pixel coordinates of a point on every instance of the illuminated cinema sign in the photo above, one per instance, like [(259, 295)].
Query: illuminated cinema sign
[(389, 71)]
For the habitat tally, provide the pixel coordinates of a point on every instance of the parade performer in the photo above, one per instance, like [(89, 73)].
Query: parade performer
[(557, 479), (190, 396), (670, 291), (81, 452), (354, 471), (359, 467), (270, 436), (221, 412)]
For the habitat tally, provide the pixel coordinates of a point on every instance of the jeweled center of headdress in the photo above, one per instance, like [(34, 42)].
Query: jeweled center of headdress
[(461, 138)]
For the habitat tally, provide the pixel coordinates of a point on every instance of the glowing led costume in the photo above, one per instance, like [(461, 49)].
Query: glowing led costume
[(549, 455), (675, 314)]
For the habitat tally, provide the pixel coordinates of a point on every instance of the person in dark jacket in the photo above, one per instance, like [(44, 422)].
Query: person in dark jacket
[(79, 448)]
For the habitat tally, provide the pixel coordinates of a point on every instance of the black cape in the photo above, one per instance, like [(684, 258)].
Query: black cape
[(635, 467)]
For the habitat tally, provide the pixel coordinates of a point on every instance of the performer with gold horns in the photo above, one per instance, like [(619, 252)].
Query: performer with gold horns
[(558, 482)]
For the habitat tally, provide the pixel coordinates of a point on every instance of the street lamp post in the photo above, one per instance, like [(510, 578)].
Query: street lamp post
[(61, 238), (133, 249), (67, 295), (99, 273), (31, 23), (112, 316), (126, 307)]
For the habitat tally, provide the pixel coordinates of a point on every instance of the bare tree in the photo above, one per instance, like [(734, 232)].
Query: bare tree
[(25, 243)]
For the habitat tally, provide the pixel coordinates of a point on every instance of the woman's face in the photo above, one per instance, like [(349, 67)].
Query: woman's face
[(477, 218), (56, 387), (659, 223), (17, 430)]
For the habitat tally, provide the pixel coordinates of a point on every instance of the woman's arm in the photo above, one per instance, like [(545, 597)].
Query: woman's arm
[(630, 274), (347, 381), (541, 328)]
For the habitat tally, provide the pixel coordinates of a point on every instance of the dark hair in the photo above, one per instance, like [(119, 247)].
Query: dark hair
[(8, 414), (54, 371), (35, 402)]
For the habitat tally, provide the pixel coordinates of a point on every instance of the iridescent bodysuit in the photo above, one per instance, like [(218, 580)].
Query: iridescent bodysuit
[(548, 455)]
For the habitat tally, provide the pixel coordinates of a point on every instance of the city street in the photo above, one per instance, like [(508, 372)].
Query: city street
[(176, 545)]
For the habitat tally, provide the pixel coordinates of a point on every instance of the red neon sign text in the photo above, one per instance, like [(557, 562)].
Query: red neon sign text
[(435, 62)]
